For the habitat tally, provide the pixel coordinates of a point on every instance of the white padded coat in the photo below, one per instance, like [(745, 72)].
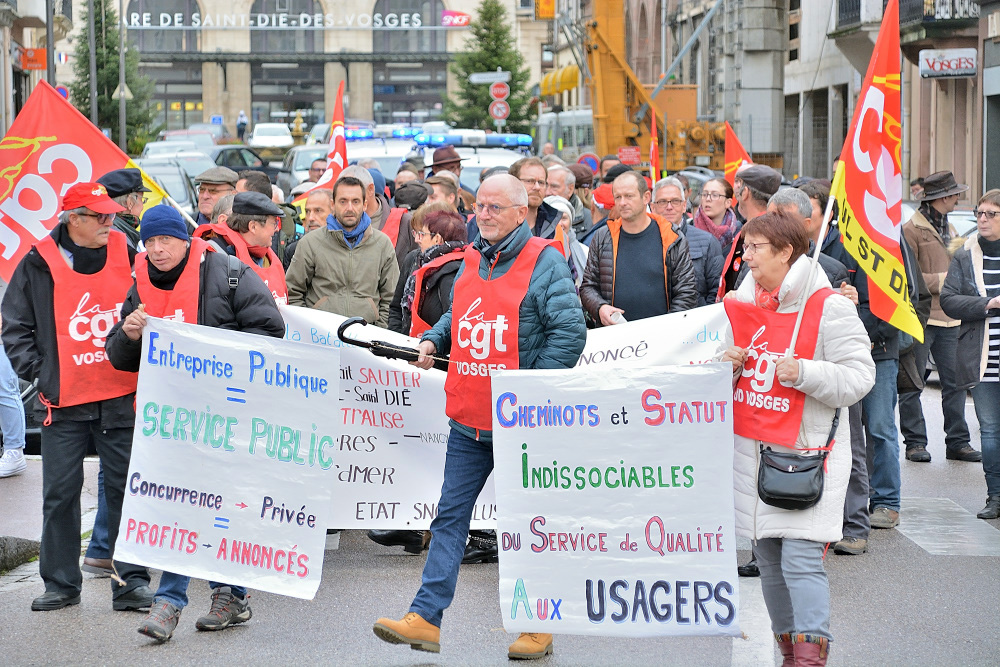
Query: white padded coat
[(839, 375)]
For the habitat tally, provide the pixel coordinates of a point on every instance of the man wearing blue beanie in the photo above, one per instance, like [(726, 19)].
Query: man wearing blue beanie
[(181, 278)]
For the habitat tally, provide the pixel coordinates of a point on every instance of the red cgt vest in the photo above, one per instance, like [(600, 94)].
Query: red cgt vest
[(391, 226), (85, 308), (180, 303), (273, 274), (417, 324), (484, 326), (763, 409)]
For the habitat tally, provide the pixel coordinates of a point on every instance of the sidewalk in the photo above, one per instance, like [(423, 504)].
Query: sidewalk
[(21, 511)]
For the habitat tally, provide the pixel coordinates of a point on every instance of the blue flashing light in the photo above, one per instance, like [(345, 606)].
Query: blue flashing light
[(489, 140), (508, 140), (358, 133), (405, 132)]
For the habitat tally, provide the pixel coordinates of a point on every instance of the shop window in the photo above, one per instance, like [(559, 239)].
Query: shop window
[(153, 27)]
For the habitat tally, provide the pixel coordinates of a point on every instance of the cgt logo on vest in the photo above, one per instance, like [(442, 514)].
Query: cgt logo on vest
[(760, 366), (94, 324), (477, 332)]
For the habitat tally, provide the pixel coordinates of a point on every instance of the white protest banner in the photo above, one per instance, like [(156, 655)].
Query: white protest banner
[(615, 494), (393, 431), (689, 337), (232, 460)]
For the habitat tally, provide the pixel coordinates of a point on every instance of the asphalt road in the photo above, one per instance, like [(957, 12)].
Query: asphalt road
[(926, 594)]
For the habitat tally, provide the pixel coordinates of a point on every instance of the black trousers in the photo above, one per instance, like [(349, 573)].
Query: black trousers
[(64, 444)]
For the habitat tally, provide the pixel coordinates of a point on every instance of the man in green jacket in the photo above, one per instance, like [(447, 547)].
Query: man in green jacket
[(350, 267)]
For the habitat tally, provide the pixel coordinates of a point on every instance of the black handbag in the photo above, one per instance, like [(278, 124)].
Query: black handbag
[(793, 481)]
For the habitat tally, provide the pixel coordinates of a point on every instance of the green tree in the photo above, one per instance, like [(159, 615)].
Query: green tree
[(490, 46), (138, 111)]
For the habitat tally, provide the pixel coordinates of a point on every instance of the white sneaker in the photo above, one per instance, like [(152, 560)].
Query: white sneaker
[(12, 463)]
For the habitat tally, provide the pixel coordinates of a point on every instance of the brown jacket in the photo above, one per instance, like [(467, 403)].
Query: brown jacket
[(933, 259)]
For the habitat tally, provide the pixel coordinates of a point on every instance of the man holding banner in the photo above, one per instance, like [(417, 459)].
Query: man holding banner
[(180, 278), (63, 298), (517, 308)]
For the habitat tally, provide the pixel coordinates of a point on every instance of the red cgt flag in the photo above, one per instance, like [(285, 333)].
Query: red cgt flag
[(50, 147), (336, 159), (868, 184), (654, 149), (736, 155)]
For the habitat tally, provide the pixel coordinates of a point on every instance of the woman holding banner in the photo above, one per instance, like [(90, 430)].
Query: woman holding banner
[(795, 400)]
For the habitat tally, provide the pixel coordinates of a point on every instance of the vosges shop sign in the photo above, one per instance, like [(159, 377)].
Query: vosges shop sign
[(947, 63)]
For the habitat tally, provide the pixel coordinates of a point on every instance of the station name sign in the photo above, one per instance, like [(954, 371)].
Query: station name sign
[(947, 63), (272, 21)]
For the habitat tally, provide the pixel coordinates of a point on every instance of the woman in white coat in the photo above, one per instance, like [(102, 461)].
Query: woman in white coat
[(789, 404)]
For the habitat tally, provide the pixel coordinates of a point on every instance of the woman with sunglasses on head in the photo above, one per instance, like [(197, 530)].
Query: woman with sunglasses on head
[(715, 214), (971, 293)]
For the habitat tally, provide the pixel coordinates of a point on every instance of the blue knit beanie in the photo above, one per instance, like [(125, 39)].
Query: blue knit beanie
[(163, 220)]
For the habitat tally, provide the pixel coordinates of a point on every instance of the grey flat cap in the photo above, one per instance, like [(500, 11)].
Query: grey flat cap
[(217, 175)]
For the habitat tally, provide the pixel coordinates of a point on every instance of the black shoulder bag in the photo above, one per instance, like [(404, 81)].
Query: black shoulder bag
[(793, 481)]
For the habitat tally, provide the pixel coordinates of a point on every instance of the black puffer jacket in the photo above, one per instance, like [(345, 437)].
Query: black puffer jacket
[(707, 259), (597, 288), (249, 308), (437, 293), (29, 338)]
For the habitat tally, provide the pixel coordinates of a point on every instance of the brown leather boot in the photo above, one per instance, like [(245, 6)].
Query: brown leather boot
[(412, 630), (785, 646), (530, 646), (810, 650)]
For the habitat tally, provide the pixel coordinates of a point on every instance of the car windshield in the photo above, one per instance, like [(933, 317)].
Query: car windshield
[(172, 181), (303, 159), (167, 147), (194, 164)]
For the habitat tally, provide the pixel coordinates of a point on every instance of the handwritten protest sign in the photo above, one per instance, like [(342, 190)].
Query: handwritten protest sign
[(393, 431), (233, 458), (616, 501)]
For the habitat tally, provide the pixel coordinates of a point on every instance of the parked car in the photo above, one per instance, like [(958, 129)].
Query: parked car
[(961, 219), (239, 157), (193, 162), (475, 160), (272, 140), (203, 140), (317, 133), (296, 164), (218, 132), (389, 153), (172, 178), (166, 148)]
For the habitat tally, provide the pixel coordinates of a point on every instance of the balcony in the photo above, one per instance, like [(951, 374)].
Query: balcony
[(848, 13), (853, 13)]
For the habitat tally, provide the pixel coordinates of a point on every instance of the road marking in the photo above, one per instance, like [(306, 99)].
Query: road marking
[(756, 647), (941, 527)]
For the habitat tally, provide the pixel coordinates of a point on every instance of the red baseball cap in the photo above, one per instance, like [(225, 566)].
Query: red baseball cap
[(604, 197), (90, 195)]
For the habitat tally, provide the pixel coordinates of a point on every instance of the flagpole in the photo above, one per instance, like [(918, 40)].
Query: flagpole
[(814, 263), (170, 200)]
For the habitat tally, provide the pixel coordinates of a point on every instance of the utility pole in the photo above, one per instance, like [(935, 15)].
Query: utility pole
[(122, 141), (50, 53), (92, 43)]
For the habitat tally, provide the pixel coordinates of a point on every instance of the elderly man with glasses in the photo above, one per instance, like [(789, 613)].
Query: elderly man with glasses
[(62, 301), (213, 184)]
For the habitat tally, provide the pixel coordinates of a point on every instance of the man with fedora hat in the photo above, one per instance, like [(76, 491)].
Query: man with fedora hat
[(59, 308), (126, 188), (930, 234), (447, 158)]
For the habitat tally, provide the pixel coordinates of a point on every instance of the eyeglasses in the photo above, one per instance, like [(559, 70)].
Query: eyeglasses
[(533, 182), (672, 203), (494, 209), (141, 198), (713, 196), (215, 191), (753, 248), (102, 218), (991, 215), (419, 236), (317, 169)]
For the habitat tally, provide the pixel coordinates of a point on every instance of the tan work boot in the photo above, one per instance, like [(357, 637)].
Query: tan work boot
[(530, 646), (412, 630)]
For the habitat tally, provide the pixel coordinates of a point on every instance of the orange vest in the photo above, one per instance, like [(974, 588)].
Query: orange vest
[(180, 303), (85, 308), (391, 226), (484, 325), (273, 274)]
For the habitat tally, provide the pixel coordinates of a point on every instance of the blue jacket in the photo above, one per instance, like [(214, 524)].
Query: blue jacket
[(707, 258), (551, 331)]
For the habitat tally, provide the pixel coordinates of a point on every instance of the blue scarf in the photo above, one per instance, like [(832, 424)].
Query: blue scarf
[(353, 237)]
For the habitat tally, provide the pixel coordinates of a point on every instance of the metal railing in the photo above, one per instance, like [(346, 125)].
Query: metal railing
[(848, 13)]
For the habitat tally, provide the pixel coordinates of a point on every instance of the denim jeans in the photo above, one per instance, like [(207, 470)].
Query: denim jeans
[(98, 547), (467, 466), (879, 413), (796, 590), (986, 396), (173, 588), (11, 408), (942, 342), (856, 519)]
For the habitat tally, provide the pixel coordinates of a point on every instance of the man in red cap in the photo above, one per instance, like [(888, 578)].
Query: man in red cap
[(63, 299)]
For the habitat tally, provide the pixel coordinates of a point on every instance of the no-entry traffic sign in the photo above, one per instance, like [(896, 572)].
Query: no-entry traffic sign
[(499, 91), (499, 110)]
